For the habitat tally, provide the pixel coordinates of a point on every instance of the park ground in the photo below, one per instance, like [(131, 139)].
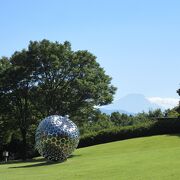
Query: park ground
[(148, 158)]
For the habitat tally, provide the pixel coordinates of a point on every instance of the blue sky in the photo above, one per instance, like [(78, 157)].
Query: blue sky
[(136, 41)]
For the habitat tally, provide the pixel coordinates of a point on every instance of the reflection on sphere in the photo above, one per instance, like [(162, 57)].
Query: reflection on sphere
[(56, 138)]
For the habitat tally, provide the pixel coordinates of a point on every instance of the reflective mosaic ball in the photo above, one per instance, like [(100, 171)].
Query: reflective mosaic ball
[(56, 138)]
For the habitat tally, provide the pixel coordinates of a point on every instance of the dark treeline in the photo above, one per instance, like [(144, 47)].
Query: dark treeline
[(101, 121)]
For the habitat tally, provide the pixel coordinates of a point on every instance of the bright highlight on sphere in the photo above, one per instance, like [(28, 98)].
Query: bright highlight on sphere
[(56, 138)]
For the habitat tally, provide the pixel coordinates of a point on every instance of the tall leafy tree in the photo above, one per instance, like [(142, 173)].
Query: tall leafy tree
[(50, 78), (4, 123), (15, 90), (68, 81)]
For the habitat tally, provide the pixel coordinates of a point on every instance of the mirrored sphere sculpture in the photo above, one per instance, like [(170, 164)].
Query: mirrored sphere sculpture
[(56, 138)]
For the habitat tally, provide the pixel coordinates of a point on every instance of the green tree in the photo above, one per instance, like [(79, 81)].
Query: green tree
[(68, 82), (15, 92), (116, 118), (50, 78), (171, 113), (121, 119), (157, 113)]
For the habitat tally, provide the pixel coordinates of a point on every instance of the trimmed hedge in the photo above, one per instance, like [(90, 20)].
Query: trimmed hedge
[(156, 127)]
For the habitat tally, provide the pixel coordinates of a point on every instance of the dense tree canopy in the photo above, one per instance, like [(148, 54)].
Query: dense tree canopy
[(67, 81)]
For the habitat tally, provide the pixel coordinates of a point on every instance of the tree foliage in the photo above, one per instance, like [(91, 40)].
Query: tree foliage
[(67, 81), (50, 78)]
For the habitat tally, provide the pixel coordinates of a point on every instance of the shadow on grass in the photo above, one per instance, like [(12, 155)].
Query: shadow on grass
[(177, 135), (41, 162), (73, 156), (45, 163), (21, 161)]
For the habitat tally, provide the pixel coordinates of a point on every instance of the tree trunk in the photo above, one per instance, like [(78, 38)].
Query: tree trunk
[(24, 144)]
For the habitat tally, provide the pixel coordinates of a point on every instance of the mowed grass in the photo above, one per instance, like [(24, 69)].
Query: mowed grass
[(148, 158)]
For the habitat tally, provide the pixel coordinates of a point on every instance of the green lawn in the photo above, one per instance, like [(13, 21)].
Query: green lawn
[(149, 158)]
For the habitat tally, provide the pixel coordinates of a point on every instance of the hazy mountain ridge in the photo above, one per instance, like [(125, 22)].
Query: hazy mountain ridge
[(130, 104), (109, 111)]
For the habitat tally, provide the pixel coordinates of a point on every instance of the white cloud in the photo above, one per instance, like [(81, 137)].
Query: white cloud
[(164, 102)]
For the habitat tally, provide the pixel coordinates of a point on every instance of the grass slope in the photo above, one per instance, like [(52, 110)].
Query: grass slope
[(149, 158)]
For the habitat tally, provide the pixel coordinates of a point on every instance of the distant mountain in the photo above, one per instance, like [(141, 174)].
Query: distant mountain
[(130, 104), (109, 111)]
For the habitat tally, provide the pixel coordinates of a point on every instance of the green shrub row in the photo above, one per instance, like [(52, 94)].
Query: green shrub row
[(156, 127)]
